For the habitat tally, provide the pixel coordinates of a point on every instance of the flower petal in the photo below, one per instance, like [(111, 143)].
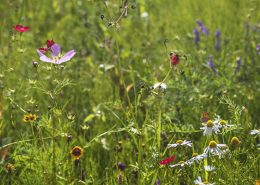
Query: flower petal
[(55, 49), (44, 58), (67, 56)]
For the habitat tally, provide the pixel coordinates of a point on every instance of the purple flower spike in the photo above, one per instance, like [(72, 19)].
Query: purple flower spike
[(217, 45), (212, 65), (239, 62), (203, 29), (196, 36), (258, 48), (157, 182), (56, 57), (217, 33), (121, 166)]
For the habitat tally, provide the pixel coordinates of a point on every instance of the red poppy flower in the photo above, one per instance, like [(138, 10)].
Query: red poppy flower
[(49, 43), (21, 28), (43, 50), (167, 160), (175, 59)]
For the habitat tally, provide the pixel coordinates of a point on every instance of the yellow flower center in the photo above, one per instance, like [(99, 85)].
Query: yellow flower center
[(206, 182), (212, 144), (195, 154), (180, 162), (210, 123), (223, 122), (179, 141), (235, 141)]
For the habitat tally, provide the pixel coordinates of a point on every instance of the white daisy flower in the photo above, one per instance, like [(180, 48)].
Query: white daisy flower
[(215, 149), (198, 181), (180, 143), (210, 127), (196, 158), (209, 168), (255, 132), (224, 124), (179, 164)]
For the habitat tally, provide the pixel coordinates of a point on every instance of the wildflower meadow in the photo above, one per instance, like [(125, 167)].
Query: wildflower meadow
[(129, 92)]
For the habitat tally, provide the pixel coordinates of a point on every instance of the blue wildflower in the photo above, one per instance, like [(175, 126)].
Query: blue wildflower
[(217, 45), (203, 29), (212, 65), (196, 36)]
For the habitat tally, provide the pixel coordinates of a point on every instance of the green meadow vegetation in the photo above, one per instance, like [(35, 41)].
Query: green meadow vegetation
[(159, 92)]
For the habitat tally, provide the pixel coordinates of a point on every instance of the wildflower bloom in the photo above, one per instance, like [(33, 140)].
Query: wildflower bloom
[(180, 143), (255, 132), (10, 167), (56, 57), (198, 181), (196, 36), (214, 148), (209, 128), (50, 43), (160, 86), (43, 50), (212, 65), (203, 29), (179, 164), (196, 158), (77, 152), (157, 182), (29, 117), (223, 123), (217, 45), (175, 58), (239, 62), (21, 28), (167, 160), (26, 118), (258, 48), (121, 166), (235, 142), (209, 168)]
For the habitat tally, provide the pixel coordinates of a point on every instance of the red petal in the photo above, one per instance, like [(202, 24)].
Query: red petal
[(175, 59), (43, 50), (21, 28), (49, 43), (167, 160)]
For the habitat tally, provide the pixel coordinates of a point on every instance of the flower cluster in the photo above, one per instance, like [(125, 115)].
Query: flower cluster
[(29, 118), (55, 53), (210, 127)]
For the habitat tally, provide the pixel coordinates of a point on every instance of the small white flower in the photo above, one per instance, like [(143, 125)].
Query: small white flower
[(160, 86), (179, 164), (198, 181), (209, 168), (180, 143), (196, 158), (210, 127), (215, 149), (255, 132), (223, 124), (144, 15)]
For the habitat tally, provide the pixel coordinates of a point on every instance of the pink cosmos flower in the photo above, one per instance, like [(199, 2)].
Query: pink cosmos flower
[(56, 57), (21, 28)]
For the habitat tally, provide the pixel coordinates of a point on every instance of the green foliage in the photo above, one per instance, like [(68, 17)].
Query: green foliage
[(103, 101)]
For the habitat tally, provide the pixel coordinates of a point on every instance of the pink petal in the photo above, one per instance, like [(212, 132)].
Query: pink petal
[(67, 56)]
